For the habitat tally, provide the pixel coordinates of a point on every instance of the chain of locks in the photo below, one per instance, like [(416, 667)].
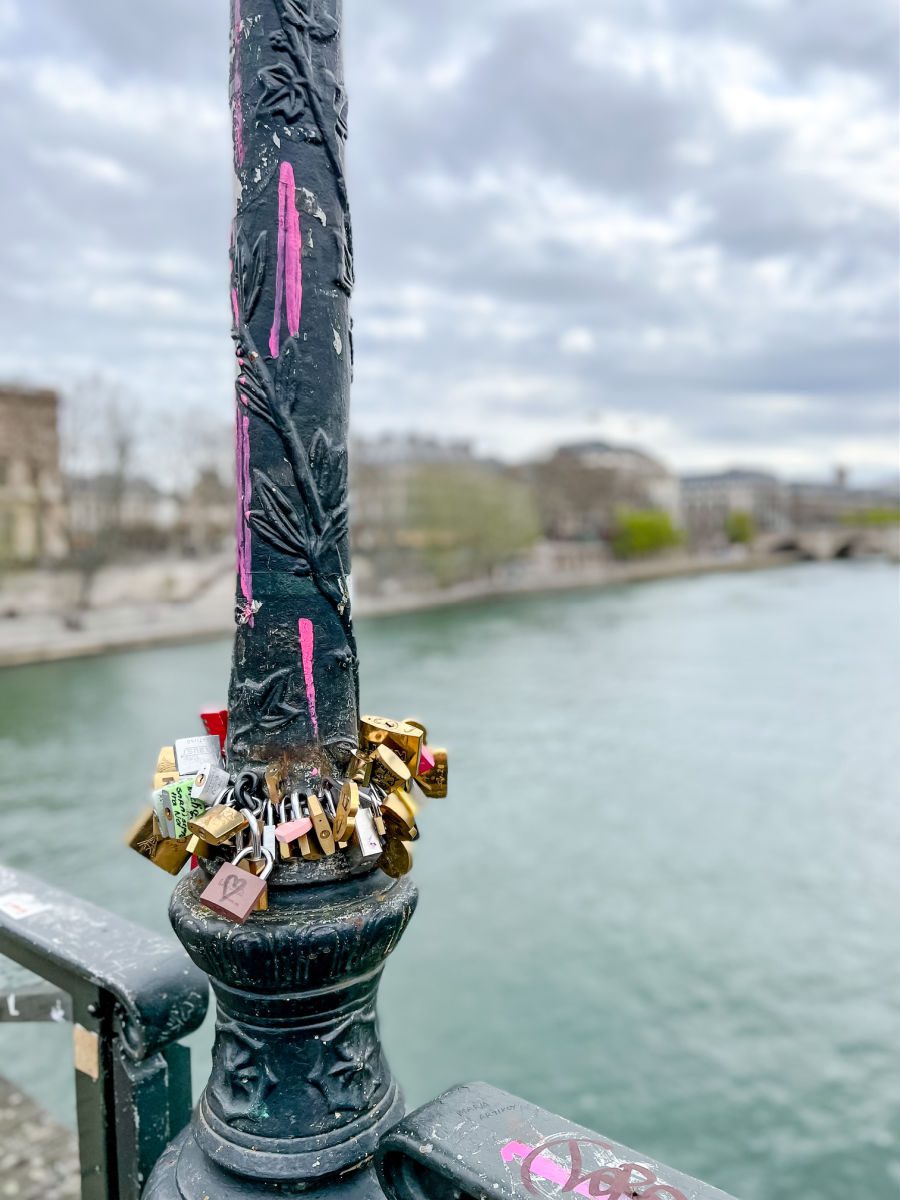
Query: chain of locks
[(255, 822)]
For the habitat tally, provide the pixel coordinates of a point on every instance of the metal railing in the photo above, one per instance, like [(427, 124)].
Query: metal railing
[(131, 997)]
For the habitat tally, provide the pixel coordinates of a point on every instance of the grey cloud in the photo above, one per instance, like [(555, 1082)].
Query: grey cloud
[(464, 92)]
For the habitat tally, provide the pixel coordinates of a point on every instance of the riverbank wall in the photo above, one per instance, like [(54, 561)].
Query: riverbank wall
[(170, 603)]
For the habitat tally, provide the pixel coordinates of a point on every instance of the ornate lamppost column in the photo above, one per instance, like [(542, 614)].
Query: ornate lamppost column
[(300, 1091)]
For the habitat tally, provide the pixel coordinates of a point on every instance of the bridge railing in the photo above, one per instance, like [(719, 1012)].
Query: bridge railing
[(131, 997)]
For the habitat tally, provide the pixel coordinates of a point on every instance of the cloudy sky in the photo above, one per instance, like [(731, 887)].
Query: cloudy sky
[(671, 222)]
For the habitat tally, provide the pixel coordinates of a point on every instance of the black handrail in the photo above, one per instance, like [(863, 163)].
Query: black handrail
[(133, 997)]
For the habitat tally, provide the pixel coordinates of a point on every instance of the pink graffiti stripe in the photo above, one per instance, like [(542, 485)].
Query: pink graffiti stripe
[(307, 639), (289, 267), (243, 504), (237, 96)]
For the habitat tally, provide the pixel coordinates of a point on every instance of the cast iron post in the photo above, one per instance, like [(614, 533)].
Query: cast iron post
[(300, 1091)]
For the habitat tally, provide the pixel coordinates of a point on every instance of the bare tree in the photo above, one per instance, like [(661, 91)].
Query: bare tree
[(99, 430)]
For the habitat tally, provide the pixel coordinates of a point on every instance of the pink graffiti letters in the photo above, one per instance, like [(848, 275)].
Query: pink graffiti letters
[(615, 1181)]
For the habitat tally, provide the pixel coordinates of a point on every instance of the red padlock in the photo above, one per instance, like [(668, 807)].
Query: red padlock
[(216, 721)]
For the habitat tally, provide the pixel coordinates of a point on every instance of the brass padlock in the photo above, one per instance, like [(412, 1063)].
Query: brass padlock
[(402, 738), (347, 810), (218, 824), (196, 847), (165, 761), (359, 769), (168, 854), (389, 769), (321, 825), (257, 859), (434, 782), (399, 818), (397, 859)]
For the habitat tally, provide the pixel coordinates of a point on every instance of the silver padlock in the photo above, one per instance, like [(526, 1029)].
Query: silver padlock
[(269, 840), (367, 839), (162, 810), (210, 785), (194, 753)]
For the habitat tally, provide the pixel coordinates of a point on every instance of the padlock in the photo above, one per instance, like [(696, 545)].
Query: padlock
[(397, 859), (197, 848), (210, 784), (269, 840), (165, 761), (388, 768), (404, 739), (434, 782), (166, 853), (234, 892), (399, 818), (306, 842), (321, 825), (255, 858), (215, 720), (417, 724), (194, 753), (347, 812), (366, 838), (274, 783), (182, 804), (162, 810), (359, 769), (218, 824), (290, 828)]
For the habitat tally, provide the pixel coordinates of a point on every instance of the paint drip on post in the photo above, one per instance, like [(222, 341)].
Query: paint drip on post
[(293, 691)]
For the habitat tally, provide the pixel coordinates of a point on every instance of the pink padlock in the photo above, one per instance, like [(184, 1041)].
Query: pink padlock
[(289, 831)]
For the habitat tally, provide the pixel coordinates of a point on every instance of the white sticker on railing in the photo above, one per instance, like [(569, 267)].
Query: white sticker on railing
[(21, 904)]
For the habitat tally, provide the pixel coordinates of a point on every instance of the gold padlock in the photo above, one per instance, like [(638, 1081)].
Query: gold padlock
[(397, 859), (196, 846), (218, 824), (169, 854), (359, 769), (389, 769), (434, 783), (321, 825), (347, 808), (402, 738), (399, 818), (165, 761)]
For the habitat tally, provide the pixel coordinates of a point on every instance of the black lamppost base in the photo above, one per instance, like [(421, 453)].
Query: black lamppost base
[(300, 1091)]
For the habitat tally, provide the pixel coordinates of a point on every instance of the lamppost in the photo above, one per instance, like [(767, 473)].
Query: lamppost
[(300, 1091)]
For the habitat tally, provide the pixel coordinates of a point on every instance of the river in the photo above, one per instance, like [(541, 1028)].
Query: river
[(662, 898)]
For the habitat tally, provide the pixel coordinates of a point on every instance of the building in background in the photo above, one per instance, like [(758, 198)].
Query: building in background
[(32, 512), (710, 502), (813, 505), (582, 487)]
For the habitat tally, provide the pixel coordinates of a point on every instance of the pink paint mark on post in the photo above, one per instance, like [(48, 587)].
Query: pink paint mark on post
[(242, 529), (289, 266), (237, 91), (307, 641)]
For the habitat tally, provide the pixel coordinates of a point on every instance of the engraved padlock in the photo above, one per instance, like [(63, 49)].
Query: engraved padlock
[(218, 824), (234, 892), (210, 784), (389, 769), (366, 838), (166, 853), (194, 753), (433, 779)]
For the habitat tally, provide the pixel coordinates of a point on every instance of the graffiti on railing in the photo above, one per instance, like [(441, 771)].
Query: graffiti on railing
[(611, 1180)]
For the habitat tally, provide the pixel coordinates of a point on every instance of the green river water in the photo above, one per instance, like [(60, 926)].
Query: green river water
[(663, 896)]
